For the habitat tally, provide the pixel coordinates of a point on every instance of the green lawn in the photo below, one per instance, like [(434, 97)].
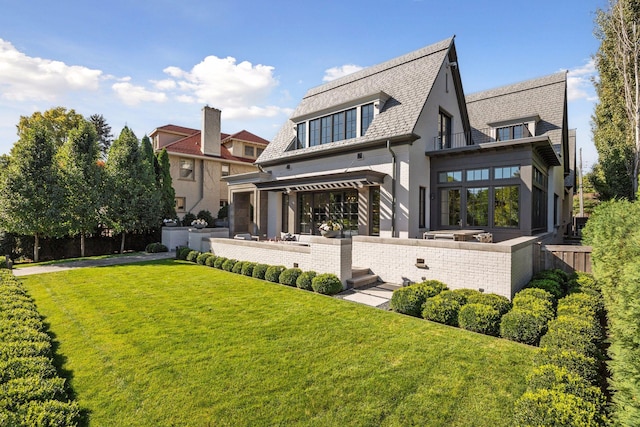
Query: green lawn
[(172, 343)]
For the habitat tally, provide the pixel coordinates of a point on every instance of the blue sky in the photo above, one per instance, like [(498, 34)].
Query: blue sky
[(146, 63)]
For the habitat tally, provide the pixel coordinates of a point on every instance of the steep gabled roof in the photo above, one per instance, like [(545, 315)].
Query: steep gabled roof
[(244, 135), (406, 80), (544, 97), (181, 130), (191, 146)]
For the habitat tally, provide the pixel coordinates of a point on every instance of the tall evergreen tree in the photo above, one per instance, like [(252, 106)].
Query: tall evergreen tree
[(616, 122), (167, 193), (105, 137), (80, 176), (30, 194), (132, 201)]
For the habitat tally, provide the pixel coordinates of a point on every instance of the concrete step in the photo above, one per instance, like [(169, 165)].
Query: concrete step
[(359, 271), (362, 280)]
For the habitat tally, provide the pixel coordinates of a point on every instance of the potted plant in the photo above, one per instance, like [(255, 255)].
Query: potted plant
[(199, 223), (330, 228), (170, 222)]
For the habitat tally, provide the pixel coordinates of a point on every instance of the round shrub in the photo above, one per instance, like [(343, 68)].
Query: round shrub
[(551, 286), (182, 252), (581, 304), (442, 309), (289, 276), (410, 299), (523, 326), (552, 377), (584, 282), (273, 273), (153, 248), (219, 261), (467, 293), (202, 258), (553, 408), (535, 293), (237, 268), (304, 280), (434, 287), (205, 215), (247, 268), (228, 264), (558, 276), (480, 318), (187, 219), (210, 261), (259, 271), (327, 284), (576, 363), (574, 334), (51, 413), (193, 256), (498, 302), (459, 297)]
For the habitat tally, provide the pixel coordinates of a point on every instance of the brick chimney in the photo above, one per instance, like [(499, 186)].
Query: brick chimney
[(210, 135)]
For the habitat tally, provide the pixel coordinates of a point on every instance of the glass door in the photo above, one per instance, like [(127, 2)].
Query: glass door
[(450, 207)]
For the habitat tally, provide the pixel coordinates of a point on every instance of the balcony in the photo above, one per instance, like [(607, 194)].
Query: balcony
[(478, 136)]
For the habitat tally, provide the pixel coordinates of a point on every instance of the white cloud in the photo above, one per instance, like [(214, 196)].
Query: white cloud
[(254, 112), (337, 72), (133, 95), (30, 78), (579, 82), (166, 84)]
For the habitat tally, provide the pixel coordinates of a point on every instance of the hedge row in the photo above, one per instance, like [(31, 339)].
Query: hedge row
[(31, 393), (564, 388), (467, 308), (327, 284)]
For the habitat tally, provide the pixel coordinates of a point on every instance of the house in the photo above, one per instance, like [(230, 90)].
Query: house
[(200, 158), (397, 150)]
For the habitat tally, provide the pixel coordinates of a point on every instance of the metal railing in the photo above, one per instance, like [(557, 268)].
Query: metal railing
[(479, 136)]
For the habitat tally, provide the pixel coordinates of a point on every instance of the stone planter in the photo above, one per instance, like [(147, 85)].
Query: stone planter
[(330, 233)]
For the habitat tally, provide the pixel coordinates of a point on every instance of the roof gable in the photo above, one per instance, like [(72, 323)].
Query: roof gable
[(406, 80), (191, 146)]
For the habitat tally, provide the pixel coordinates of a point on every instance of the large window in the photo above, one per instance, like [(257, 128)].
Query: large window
[(450, 207), (285, 213), (444, 129), (249, 151), (512, 132), (351, 122), (314, 132), (374, 211), (450, 176), (506, 206), (186, 168), (325, 130), (506, 172), (478, 207), (301, 135), (316, 208), (539, 200), (367, 118)]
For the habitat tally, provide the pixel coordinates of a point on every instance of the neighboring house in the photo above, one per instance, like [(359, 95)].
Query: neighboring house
[(200, 158), (397, 149)]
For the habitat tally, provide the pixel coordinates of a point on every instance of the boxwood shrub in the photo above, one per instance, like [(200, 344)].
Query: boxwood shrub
[(202, 258), (153, 248), (259, 271), (581, 304), (219, 261), (210, 261), (182, 252), (573, 333), (498, 302), (273, 273), (442, 309), (554, 408), (228, 264), (467, 293), (481, 318), (304, 280), (410, 299), (554, 377), (289, 276), (459, 297), (525, 326), (237, 268), (551, 286), (574, 362), (193, 256), (327, 284), (247, 268)]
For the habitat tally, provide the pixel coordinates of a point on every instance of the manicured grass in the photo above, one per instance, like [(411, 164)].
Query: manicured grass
[(66, 260), (173, 343)]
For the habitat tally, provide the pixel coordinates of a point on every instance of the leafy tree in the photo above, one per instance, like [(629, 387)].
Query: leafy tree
[(58, 122), (105, 137), (80, 177), (132, 202), (616, 122), (30, 195), (167, 193)]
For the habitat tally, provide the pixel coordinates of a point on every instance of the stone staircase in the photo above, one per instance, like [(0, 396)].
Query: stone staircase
[(361, 277)]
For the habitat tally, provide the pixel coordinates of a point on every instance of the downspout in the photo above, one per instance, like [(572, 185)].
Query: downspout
[(201, 185), (393, 189)]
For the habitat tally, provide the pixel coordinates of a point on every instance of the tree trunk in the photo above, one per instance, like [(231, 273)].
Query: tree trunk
[(122, 243), (82, 245), (36, 249)]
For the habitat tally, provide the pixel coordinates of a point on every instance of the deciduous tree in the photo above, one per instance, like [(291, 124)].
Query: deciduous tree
[(58, 122)]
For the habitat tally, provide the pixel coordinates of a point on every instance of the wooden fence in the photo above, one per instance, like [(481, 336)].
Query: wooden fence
[(566, 257)]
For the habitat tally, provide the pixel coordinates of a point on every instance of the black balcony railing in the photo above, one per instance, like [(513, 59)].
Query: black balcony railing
[(479, 136)]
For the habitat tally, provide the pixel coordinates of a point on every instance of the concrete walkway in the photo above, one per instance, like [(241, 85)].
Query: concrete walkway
[(41, 269), (376, 295)]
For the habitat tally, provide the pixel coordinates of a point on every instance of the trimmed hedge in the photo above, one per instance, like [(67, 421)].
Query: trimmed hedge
[(574, 362), (182, 252), (193, 256), (273, 273), (210, 261), (289, 276), (554, 377), (259, 271), (581, 304), (202, 258), (218, 262), (442, 309), (551, 286), (154, 248), (237, 268), (481, 318), (498, 302), (545, 407), (247, 268), (525, 326), (573, 333), (304, 281), (327, 284), (410, 299), (228, 264)]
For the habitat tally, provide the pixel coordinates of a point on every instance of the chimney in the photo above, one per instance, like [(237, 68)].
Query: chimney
[(210, 135)]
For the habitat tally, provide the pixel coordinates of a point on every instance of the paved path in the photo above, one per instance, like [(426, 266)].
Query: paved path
[(143, 256), (377, 295)]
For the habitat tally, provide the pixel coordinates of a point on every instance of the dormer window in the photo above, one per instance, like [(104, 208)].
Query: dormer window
[(249, 151), (367, 118), (507, 133)]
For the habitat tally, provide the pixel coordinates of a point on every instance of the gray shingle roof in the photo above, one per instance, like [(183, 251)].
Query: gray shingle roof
[(407, 79), (544, 97)]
